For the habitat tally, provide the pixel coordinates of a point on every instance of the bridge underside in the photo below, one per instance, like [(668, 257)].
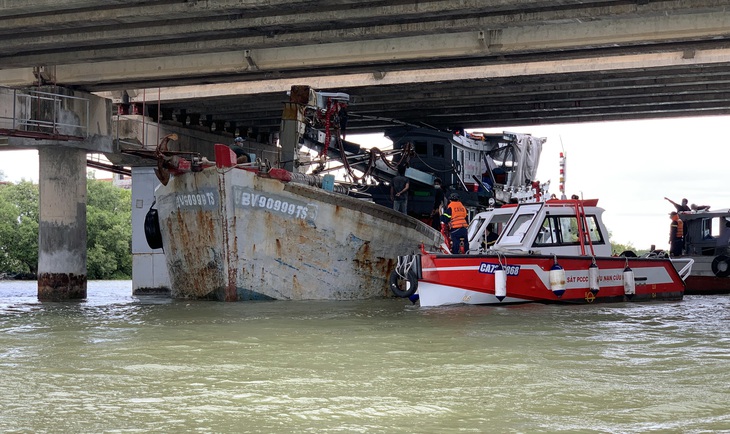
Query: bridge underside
[(449, 64)]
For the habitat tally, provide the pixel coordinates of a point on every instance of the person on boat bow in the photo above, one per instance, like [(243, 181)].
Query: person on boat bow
[(399, 190), (241, 155), (455, 216), (680, 208), (438, 204), (676, 235)]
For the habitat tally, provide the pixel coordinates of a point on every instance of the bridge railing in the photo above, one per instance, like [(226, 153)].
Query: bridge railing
[(43, 115)]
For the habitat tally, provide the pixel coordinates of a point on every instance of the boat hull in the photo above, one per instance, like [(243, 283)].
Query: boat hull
[(703, 281), (470, 279), (236, 235)]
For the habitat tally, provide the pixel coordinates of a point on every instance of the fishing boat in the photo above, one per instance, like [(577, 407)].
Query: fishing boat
[(554, 251), (707, 243), (235, 231)]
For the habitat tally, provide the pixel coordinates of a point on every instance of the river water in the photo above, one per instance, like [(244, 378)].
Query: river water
[(124, 364)]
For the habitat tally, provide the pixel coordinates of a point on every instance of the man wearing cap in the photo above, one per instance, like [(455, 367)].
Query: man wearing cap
[(676, 235), (241, 155), (455, 216)]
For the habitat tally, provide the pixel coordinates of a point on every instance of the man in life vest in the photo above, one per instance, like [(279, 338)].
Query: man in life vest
[(676, 235), (455, 217)]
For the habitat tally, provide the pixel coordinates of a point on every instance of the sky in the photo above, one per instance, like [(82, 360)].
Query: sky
[(629, 166)]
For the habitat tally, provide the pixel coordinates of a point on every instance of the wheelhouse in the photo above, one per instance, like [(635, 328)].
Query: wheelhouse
[(566, 227)]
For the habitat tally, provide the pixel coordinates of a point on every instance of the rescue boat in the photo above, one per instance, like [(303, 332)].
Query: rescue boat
[(555, 251)]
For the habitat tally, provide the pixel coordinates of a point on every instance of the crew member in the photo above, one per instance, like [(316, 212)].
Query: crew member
[(676, 235), (455, 216), (241, 155), (680, 207), (438, 204), (491, 236)]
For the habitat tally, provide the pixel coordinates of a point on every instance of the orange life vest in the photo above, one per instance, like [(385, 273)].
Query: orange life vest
[(458, 215), (679, 224)]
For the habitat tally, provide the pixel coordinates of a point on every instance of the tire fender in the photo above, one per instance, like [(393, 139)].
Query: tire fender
[(721, 266), (410, 283)]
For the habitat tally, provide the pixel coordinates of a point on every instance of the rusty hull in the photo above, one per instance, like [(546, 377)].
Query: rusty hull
[(265, 239)]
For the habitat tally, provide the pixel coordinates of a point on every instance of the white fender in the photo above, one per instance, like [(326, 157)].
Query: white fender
[(593, 285), (500, 283), (557, 280), (629, 283)]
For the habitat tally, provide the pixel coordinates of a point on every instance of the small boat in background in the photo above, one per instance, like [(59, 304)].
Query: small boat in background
[(555, 251), (707, 243)]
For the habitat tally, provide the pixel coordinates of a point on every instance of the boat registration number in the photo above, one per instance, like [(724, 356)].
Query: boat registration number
[(510, 270), (247, 198)]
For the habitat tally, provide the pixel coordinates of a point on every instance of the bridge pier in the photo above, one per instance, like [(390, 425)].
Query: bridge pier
[(62, 224)]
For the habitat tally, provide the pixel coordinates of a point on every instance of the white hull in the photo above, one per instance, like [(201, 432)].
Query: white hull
[(432, 295), (233, 235)]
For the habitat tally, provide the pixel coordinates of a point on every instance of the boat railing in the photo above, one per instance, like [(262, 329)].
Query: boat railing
[(685, 270)]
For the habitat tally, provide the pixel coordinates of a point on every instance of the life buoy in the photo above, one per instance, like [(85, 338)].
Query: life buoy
[(410, 283), (721, 266), (152, 229)]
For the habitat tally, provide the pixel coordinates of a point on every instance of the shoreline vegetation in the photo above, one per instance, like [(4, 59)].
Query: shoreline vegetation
[(108, 235)]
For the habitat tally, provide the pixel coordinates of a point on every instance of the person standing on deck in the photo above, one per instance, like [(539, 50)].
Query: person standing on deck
[(676, 235), (399, 190), (455, 216), (241, 155), (438, 204), (680, 208)]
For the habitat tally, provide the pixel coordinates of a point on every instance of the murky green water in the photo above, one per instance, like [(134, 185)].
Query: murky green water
[(117, 363)]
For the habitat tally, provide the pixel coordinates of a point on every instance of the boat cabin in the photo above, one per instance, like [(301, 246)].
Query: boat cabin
[(478, 166), (706, 233), (565, 227)]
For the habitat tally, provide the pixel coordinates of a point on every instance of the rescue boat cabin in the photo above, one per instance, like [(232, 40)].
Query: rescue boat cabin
[(563, 227)]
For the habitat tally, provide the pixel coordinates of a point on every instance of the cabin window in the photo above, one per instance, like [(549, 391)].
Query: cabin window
[(520, 227), (563, 230), (498, 223), (420, 147), (439, 150)]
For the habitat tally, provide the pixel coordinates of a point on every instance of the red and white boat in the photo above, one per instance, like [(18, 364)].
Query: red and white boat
[(556, 251)]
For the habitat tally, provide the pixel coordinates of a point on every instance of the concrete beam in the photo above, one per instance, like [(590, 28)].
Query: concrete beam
[(597, 64), (394, 43)]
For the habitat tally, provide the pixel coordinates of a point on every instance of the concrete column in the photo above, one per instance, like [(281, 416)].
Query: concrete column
[(62, 224), (292, 127)]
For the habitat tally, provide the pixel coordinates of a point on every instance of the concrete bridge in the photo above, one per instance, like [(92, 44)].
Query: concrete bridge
[(214, 69), (466, 63)]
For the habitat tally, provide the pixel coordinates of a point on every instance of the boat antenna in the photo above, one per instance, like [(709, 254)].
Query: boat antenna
[(563, 155)]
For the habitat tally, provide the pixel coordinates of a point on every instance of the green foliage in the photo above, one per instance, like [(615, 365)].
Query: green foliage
[(109, 229), (19, 227)]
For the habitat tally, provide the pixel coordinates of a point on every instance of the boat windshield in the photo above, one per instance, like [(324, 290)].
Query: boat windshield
[(474, 226), (519, 228)]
